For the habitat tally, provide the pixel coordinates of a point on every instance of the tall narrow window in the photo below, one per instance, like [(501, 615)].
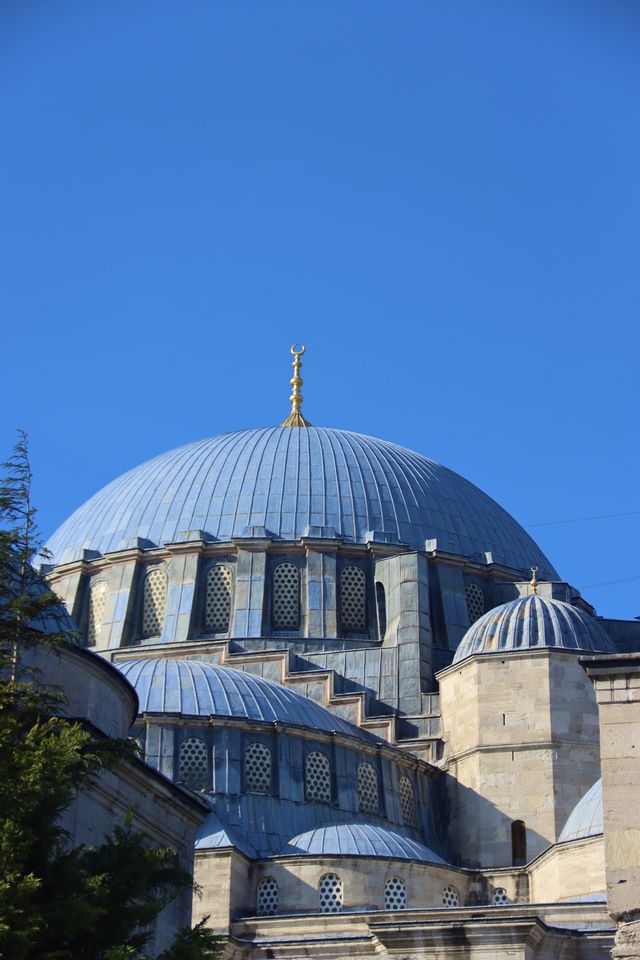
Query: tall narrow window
[(381, 610), (257, 768), (475, 601), (192, 763), (353, 608), (285, 607), (267, 897), (518, 843), (218, 599), (395, 894), (368, 788), (97, 602), (154, 601), (330, 893), (408, 802), (317, 777)]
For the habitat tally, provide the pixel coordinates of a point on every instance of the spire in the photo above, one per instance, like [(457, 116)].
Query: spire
[(534, 581), (295, 418)]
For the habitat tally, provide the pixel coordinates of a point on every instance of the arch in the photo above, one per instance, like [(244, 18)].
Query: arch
[(408, 802), (330, 893), (353, 600), (257, 768), (95, 613), (476, 601), (518, 843), (267, 897), (193, 767), (395, 894), (368, 797), (285, 597), (317, 777), (217, 604), (450, 897), (381, 610), (154, 602)]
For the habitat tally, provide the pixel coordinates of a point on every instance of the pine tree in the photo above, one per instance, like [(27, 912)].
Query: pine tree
[(58, 902)]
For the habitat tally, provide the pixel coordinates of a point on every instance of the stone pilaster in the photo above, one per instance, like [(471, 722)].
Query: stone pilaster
[(181, 589), (320, 618), (249, 592)]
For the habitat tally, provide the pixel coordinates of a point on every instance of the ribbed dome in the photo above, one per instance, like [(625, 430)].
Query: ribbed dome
[(358, 840), (202, 689), (213, 834), (532, 622), (587, 818), (290, 481)]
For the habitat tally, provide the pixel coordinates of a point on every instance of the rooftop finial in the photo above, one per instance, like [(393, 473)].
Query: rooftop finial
[(534, 581), (295, 418)]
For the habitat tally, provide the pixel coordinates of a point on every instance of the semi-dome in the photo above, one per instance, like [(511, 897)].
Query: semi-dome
[(531, 622), (287, 483), (587, 818), (358, 840), (194, 688)]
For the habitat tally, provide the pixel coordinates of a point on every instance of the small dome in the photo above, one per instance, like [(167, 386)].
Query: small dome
[(201, 689), (586, 819), (358, 840), (214, 835), (290, 483), (531, 622)]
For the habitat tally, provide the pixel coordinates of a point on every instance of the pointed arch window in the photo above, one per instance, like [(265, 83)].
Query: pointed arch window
[(285, 606), (353, 606), (154, 602), (218, 599), (97, 603)]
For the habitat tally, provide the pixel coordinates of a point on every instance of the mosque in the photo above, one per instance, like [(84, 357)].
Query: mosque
[(369, 677)]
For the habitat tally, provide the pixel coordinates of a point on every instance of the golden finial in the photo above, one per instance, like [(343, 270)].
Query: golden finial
[(534, 581), (295, 418)]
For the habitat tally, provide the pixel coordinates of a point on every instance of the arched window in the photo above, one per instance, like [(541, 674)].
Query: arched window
[(408, 802), (518, 843), (395, 894), (97, 602), (330, 893), (267, 897), (381, 609), (368, 788), (154, 601), (475, 601), (285, 606), (257, 768), (218, 599), (192, 763), (500, 896), (353, 607), (450, 897), (317, 777)]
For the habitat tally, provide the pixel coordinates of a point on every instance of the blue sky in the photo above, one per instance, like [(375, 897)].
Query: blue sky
[(441, 199)]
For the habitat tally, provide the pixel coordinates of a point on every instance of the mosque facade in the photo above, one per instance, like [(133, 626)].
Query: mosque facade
[(369, 676)]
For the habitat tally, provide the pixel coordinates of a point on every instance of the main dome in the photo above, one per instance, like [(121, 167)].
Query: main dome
[(292, 483)]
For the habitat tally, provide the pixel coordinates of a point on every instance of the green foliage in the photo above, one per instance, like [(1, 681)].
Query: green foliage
[(58, 902)]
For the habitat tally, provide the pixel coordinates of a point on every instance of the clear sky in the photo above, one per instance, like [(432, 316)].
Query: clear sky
[(441, 198)]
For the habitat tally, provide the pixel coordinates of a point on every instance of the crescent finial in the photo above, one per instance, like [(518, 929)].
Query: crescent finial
[(295, 418)]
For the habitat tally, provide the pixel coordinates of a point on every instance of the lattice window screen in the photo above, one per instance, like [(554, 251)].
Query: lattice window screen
[(267, 897), (192, 763), (500, 896), (154, 602), (285, 612), (408, 802), (218, 599), (395, 894), (475, 601), (97, 602), (368, 788), (257, 768), (330, 893), (450, 897), (353, 608), (317, 777)]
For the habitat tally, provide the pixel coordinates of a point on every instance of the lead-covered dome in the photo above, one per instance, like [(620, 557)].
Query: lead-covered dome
[(358, 840), (194, 688), (587, 817), (531, 622), (288, 483)]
